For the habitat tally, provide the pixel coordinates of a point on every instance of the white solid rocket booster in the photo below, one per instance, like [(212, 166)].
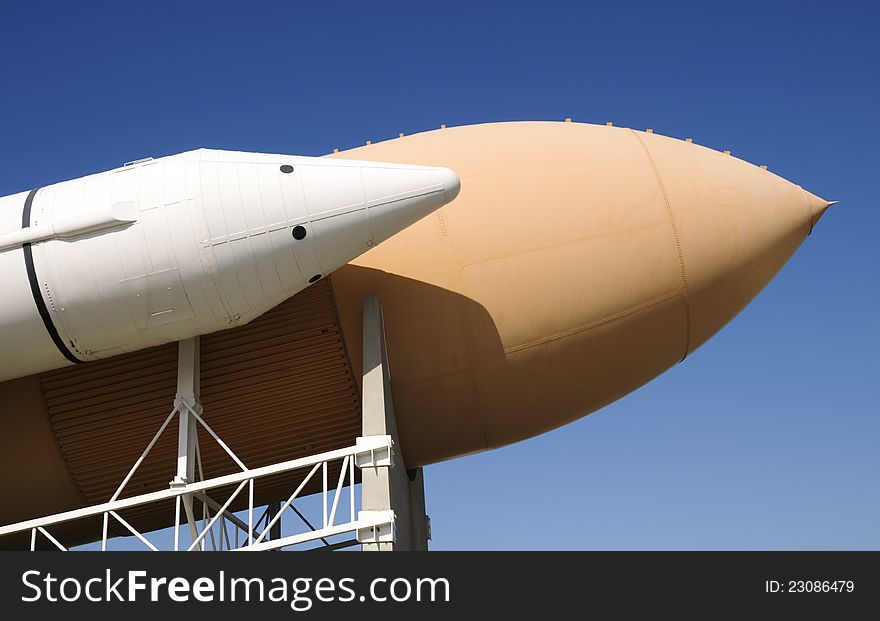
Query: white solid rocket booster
[(169, 248)]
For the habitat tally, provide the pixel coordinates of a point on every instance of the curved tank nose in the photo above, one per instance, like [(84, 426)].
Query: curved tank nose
[(578, 263), (736, 225), (818, 207)]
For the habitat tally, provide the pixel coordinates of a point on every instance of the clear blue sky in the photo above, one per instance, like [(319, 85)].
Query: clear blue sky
[(768, 437)]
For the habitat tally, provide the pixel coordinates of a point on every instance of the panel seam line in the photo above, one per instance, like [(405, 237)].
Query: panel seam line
[(671, 217)]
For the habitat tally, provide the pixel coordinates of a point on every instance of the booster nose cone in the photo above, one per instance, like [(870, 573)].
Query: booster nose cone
[(818, 206), (451, 183), (400, 194)]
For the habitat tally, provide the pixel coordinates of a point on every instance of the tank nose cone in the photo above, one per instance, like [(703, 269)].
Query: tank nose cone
[(818, 206), (451, 183)]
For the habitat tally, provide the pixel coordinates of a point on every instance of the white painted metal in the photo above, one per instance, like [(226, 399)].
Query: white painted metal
[(73, 225), (375, 458), (186, 403), (342, 472), (116, 506), (132, 530), (384, 500), (271, 523), (219, 514), (367, 522), (49, 537), (186, 399), (27, 347), (143, 455), (196, 243), (379, 527)]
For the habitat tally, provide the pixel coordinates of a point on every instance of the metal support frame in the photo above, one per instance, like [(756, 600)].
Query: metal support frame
[(392, 515), (186, 400), (387, 488), (255, 534)]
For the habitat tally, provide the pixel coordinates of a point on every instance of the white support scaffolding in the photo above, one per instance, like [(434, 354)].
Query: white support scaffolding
[(392, 504)]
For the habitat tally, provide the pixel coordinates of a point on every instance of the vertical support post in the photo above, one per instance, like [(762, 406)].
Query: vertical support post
[(275, 531), (386, 488), (250, 523), (187, 435), (421, 523), (187, 395)]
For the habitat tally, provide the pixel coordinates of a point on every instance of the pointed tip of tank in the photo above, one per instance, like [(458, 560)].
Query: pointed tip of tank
[(818, 207)]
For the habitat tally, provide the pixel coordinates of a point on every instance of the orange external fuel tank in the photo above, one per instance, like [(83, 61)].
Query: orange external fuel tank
[(577, 263)]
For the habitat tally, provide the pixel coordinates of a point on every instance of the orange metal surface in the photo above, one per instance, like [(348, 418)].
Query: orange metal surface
[(578, 263)]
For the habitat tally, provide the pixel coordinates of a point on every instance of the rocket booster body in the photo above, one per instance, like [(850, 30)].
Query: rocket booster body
[(169, 248)]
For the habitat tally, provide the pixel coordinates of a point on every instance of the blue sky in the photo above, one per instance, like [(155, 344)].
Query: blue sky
[(765, 438)]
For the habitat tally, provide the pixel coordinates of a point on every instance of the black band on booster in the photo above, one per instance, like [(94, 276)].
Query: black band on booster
[(35, 285)]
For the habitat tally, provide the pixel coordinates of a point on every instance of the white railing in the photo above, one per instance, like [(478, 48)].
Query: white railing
[(368, 526), (374, 527)]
